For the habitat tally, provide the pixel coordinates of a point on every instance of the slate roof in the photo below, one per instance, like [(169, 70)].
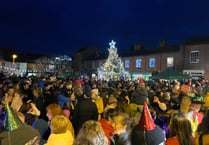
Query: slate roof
[(197, 40)]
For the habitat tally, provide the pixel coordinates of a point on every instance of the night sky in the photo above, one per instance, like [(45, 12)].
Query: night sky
[(64, 26)]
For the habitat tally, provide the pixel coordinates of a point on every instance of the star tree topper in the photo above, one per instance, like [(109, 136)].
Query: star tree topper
[(112, 44)]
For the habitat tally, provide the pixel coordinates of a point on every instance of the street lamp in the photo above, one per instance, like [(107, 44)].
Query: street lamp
[(14, 56)]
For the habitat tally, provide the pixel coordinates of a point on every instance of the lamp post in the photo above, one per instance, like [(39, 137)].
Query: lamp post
[(14, 56)]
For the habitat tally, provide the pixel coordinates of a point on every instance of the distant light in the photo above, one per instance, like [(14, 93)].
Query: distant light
[(63, 58)]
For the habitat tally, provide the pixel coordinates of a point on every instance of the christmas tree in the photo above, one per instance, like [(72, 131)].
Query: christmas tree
[(113, 68)]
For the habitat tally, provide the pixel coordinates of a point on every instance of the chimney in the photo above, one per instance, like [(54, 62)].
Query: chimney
[(137, 47), (162, 43)]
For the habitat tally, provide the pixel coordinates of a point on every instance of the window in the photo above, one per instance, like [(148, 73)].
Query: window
[(152, 62), (127, 63), (138, 63), (170, 61), (194, 56)]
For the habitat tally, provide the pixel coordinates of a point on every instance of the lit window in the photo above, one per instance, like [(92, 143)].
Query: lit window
[(170, 61), (138, 63), (194, 56), (127, 63), (152, 62)]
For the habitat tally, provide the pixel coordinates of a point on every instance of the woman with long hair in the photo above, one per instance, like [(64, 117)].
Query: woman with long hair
[(91, 133), (59, 133), (53, 110), (181, 131), (202, 135)]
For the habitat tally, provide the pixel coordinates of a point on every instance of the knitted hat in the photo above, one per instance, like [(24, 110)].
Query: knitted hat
[(141, 83), (112, 100), (146, 132)]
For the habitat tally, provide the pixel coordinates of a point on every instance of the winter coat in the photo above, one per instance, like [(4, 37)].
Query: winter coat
[(123, 139), (133, 108), (100, 105), (84, 110), (60, 139), (108, 129), (139, 96), (62, 99)]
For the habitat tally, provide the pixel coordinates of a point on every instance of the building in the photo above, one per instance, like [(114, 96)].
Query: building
[(188, 58)]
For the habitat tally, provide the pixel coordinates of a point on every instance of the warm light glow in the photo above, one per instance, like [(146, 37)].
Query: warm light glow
[(14, 56)]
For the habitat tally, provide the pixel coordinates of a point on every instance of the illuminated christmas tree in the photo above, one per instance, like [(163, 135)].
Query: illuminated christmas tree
[(113, 68)]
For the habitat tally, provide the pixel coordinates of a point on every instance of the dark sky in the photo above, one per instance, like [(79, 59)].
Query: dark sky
[(64, 26)]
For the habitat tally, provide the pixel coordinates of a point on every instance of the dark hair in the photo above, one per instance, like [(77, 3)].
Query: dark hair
[(203, 127), (109, 113), (181, 128)]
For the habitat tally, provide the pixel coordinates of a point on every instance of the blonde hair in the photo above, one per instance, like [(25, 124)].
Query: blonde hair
[(91, 133), (59, 124), (185, 104)]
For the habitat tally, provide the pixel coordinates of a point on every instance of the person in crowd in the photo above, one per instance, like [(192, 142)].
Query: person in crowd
[(84, 110), (98, 101), (49, 97), (91, 133), (41, 82), (146, 132), (59, 132), (194, 115), (112, 103), (30, 111), (18, 132), (62, 99), (26, 91), (181, 131), (202, 133), (68, 88), (9, 95), (107, 121), (123, 101), (122, 128), (78, 90), (184, 108), (39, 100), (139, 96), (53, 110)]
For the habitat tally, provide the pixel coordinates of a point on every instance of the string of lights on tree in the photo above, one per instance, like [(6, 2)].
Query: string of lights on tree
[(113, 68)]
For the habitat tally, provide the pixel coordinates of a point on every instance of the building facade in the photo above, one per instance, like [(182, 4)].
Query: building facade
[(188, 58)]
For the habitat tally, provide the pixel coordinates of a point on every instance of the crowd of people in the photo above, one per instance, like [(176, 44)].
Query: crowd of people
[(52, 111)]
